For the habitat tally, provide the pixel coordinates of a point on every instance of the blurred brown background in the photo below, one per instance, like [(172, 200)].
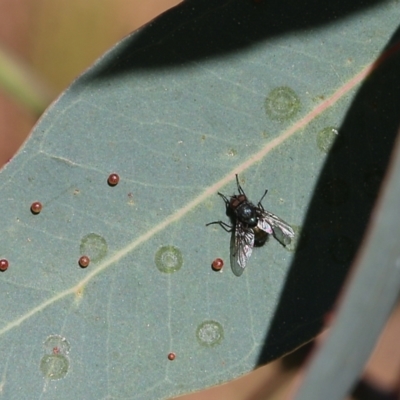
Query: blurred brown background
[(52, 42)]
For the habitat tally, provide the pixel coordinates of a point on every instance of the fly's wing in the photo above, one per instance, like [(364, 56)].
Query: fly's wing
[(264, 225), (242, 243), (281, 230)]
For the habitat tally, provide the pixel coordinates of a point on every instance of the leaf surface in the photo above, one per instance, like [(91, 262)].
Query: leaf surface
[(206, 90)]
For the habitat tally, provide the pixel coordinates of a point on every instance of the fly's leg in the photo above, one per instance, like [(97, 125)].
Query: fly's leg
[(222, 224), (226, 200), (240, 189), (225, 226), (262, 198)]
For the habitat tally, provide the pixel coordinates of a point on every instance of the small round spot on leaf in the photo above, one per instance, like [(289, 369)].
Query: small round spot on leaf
[(113, 180), (217, 264), (282, 104), (210, 333), (54, 366), (3, 265), (171, 356), (36, 207), (84, 261), (56, 344), (168, 259)]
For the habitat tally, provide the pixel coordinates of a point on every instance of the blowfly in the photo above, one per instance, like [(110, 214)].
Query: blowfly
[(251, 226)]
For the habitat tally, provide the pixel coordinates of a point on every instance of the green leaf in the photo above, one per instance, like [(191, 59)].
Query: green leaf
[(206, 90)]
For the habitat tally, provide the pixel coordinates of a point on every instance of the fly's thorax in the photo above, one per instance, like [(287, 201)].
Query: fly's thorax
[(246, 213)]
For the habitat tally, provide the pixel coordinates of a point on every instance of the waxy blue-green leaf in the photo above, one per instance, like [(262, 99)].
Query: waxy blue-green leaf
[(206, 90)]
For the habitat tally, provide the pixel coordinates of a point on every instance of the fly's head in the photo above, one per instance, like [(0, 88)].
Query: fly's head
[(232, 204), (236, 201)]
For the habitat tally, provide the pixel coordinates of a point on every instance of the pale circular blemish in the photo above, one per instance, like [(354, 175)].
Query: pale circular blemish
[(168, 259), (282, 104), (56, 342), (210, 333), (93, 246), (54, 366), (326, 138)]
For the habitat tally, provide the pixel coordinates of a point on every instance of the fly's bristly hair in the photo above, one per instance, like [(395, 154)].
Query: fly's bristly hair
[(251, 226)]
